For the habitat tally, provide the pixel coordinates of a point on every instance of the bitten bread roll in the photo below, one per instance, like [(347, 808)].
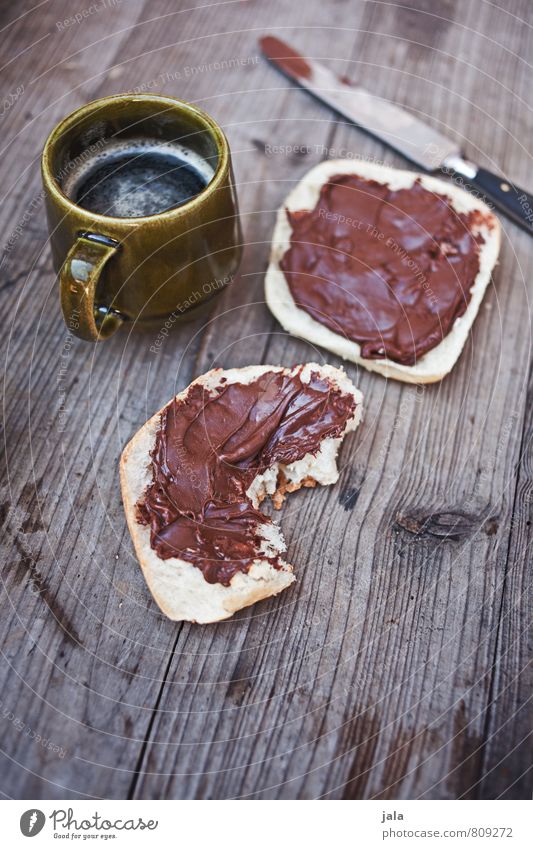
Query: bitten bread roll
[(194, 475), (380, 250)]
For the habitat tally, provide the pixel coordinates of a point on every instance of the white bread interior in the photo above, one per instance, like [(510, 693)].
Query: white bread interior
[(179, 587), (437, 362)]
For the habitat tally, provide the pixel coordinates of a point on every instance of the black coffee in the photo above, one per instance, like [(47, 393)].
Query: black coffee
[(138, 178)]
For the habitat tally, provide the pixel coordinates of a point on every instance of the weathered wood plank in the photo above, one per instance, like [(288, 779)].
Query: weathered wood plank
[(373, 677), (506, 770), (84, 649), (58, 501)]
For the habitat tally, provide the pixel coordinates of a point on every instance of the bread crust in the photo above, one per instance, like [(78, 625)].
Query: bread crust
[(178, 587), (437, 362)]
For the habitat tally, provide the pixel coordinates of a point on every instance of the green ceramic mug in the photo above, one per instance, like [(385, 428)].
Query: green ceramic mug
[(139, 269)]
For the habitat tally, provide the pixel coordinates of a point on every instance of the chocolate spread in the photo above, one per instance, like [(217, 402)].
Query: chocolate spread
[(285, 57), (390, 270), (208, 449)]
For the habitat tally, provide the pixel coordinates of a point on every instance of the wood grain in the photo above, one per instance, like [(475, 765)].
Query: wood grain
[(397, 665)]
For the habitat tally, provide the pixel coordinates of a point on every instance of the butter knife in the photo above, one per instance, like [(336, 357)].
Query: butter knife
[(422, 144)]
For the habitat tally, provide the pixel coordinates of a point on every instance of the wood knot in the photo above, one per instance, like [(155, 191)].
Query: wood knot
[(348, 497), (452, 525)]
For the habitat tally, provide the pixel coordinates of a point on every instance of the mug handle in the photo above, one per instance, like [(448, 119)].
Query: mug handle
[(78, 280)]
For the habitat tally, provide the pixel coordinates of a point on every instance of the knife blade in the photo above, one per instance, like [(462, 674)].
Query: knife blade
[(427, 147)]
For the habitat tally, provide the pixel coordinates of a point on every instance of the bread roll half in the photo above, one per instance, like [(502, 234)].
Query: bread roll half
[(177, 585), (438, 361)]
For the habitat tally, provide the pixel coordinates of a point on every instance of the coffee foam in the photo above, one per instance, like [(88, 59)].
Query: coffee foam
[(141, 145)]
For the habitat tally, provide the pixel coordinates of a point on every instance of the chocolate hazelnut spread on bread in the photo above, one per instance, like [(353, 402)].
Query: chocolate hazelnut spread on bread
[(389, 269), (209, 447)]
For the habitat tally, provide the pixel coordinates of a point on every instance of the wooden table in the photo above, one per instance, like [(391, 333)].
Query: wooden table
[(397, 665)]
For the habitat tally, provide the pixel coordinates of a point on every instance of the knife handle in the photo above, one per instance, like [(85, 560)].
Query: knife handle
[(513, 201)]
